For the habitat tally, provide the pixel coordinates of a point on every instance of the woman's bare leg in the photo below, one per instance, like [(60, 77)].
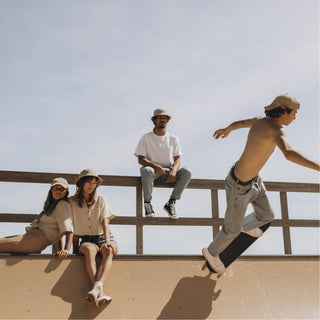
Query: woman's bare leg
[(90, 250), (106, 262), (32, 242), (103, 270)]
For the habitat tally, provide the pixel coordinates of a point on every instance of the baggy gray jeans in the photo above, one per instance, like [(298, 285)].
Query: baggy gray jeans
[(148, 176), (238, 198)]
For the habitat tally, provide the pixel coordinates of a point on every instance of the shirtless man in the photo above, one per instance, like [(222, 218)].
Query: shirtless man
[(243, 184)]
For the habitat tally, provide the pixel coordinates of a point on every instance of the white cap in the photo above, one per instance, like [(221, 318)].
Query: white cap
[(283, 100), (60, 181)]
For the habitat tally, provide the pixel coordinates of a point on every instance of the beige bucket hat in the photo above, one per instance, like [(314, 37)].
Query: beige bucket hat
[(283, 100), (88, 173), (60, 181), (160, 112)]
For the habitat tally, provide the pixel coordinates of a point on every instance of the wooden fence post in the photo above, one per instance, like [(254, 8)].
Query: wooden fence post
[(139, 228), (215, 211), (285, 216)]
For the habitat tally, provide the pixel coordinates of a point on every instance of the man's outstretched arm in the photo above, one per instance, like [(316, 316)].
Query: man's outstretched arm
[(223, 133), (293, 155)]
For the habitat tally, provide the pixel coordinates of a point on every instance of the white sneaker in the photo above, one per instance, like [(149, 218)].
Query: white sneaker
[(103, 300), (256, 233), (215, 263), (93, 294)]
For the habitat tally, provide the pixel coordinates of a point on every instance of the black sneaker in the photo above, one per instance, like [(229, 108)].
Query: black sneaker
[(170, 208), (148, 210)]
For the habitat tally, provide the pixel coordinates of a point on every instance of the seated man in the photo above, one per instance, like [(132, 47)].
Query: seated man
[(155, 151)]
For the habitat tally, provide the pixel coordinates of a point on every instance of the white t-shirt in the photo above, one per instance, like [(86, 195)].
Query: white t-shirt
[(159, 149), (55, 224), (87, 221)]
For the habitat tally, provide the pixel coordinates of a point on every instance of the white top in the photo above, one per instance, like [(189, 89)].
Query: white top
[(54, 225), (159, 149), (88, 221)]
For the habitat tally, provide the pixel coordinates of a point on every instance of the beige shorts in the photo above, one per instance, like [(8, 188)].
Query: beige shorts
[(36, 232)]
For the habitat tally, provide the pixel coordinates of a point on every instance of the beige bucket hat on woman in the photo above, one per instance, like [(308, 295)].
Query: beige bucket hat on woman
[(60, 181), (88, 173), (160, 112), (283, 100)]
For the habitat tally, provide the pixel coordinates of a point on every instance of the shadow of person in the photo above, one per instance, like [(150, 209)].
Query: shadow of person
[(53, 265), (12, 258), (72, 287), (192, 298), (16, 257)]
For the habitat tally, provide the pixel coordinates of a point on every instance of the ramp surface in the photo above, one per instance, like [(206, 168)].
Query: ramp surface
[(40, 287)]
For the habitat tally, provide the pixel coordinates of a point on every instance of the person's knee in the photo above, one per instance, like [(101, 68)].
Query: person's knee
[(187, 172), (106, 251), (267, 216), (147, 172), (88, 251), (184, 174), (270, 216)]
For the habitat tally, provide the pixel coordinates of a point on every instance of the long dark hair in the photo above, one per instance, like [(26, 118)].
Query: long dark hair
[(50, 204), (78, 197)]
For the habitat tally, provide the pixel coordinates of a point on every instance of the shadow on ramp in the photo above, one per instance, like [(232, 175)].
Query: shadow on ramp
[(80, 284), (192, 298)]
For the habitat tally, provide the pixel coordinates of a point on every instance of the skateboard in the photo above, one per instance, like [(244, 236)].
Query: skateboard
[(241, 243)]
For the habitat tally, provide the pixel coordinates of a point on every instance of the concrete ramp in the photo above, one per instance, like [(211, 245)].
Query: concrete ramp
[(155, 287)]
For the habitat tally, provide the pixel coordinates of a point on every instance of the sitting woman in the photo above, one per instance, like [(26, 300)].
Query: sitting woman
[(91, 217), (52, 223)]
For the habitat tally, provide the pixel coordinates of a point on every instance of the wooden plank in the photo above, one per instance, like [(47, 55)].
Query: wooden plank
[(133, 181), (125, 220), (45, 177), (17, 217), (215, 211), (296, 223), (206, 222), (139, 226), (292, 187), (285, 216), (206, 184), (34, 177), (120, 181), (159, 221)]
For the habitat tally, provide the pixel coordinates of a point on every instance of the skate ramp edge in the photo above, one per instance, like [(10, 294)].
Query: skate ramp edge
[(161, 287)]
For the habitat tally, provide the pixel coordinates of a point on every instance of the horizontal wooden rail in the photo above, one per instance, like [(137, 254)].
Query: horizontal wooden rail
[(142, 221), (134, 181)]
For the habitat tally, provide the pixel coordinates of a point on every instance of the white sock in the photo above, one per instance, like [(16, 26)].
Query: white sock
[(98, 284)]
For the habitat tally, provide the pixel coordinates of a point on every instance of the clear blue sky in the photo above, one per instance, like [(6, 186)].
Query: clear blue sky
[(80, 79)]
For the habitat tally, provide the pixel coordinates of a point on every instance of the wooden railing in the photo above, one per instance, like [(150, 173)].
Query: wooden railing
[(139, 221)]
